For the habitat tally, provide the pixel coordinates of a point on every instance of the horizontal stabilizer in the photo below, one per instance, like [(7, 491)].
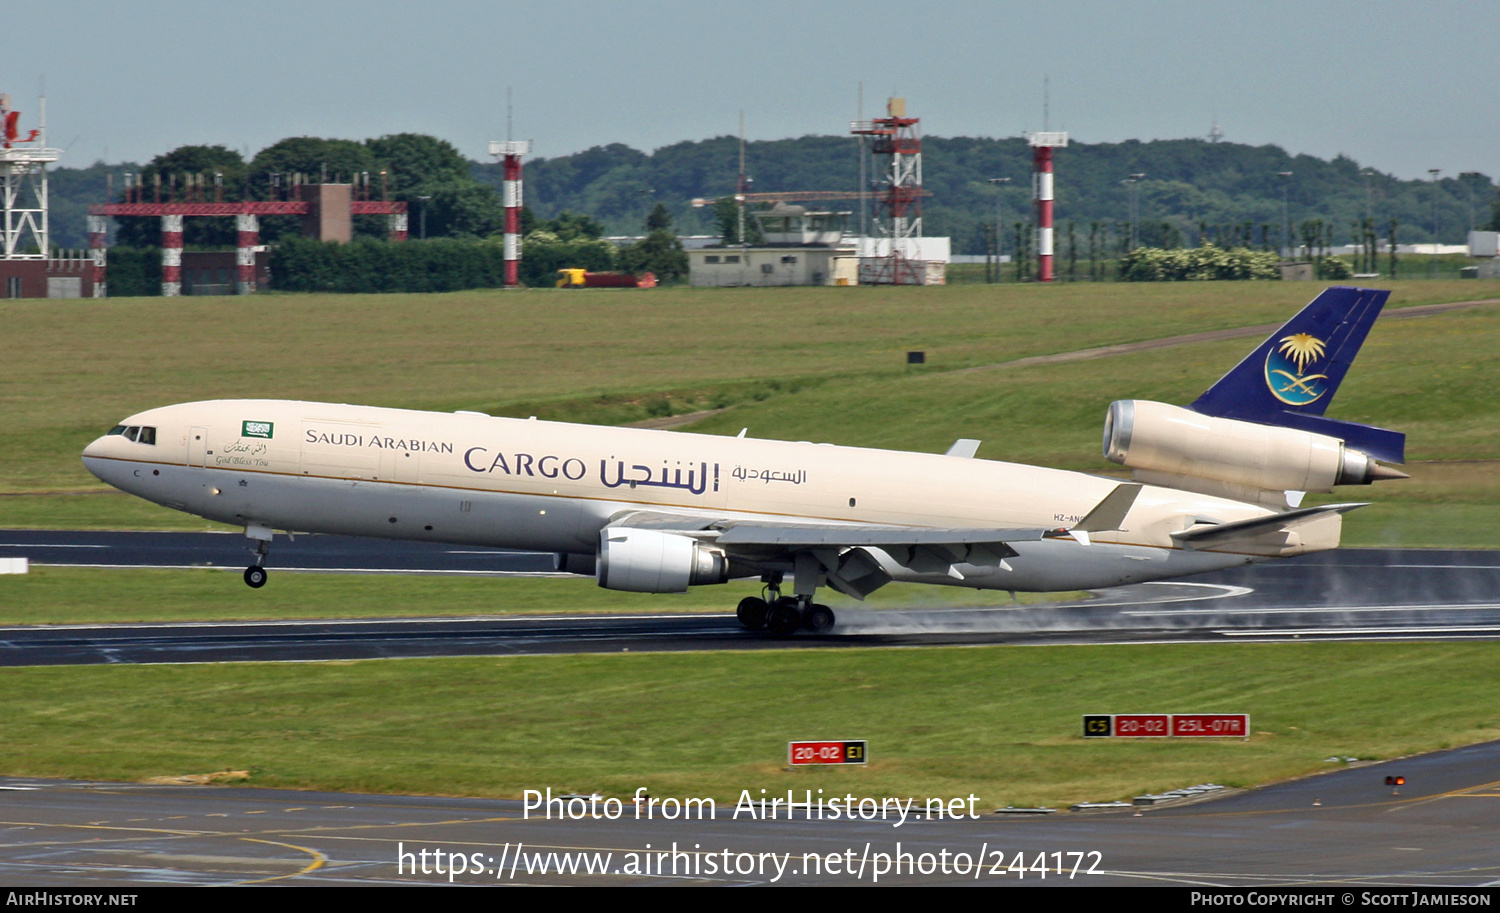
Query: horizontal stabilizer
[(1244, 529)]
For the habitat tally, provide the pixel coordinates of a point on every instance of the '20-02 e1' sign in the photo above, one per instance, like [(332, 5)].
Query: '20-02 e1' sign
[(802, 753)]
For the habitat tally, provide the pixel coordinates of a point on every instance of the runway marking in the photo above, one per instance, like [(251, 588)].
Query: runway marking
[(1464, 567), (102, 826), (317, 863), (47, 545), (1227, 591), (1324, 610), (1322, 632), (303, 622), (330, 831), (309, 570)]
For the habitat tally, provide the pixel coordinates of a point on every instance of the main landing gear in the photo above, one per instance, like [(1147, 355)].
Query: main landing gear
[(783, 615)]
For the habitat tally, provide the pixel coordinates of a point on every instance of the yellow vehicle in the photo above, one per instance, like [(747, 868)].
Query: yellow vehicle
[(580, 278)]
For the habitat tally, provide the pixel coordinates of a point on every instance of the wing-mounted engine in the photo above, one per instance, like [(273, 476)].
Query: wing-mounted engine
[(650, 561), (1180, 448)]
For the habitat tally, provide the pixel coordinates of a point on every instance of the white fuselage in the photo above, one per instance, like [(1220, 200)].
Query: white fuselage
[(547, 486)]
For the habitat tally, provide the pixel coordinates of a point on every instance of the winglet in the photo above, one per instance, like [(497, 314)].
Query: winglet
[(964, 447), (1108, 514)]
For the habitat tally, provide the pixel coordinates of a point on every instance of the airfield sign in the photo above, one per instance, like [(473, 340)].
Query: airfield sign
[(800, 754), (1166, 725)]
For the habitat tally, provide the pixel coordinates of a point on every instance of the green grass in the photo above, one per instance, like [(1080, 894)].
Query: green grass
[(78, 595), (789, 363), (72, 369), (1000, 722), (800, 364)]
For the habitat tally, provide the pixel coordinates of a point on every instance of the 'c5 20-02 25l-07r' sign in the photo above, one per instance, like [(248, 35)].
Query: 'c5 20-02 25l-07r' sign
[(1166, 725)]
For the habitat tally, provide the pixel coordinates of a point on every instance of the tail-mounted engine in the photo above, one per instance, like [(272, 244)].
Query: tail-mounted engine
[(1160, 441)]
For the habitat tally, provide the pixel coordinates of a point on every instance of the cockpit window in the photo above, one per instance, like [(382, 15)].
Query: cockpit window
[(141, 434)]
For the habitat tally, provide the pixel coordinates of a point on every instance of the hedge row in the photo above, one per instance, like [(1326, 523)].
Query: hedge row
[(443, 265), (440, 265), (1153, 264), (133, 272)]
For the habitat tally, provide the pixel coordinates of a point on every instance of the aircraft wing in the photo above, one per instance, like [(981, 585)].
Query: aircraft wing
[(838, 552), (852, 536)]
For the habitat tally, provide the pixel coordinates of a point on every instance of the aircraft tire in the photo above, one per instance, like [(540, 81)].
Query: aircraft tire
[(255, 577), (783, 620), (818, 619), (752, 612)]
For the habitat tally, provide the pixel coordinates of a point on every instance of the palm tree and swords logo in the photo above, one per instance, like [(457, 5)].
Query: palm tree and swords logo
[(1286, 369)]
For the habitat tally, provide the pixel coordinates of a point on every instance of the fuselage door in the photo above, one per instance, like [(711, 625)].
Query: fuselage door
[(198, 447)]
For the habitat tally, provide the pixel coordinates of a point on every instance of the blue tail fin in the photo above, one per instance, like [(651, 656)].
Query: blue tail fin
[(1291, 378)]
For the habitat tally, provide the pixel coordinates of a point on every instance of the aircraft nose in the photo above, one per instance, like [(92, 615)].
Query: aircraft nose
[(92, 457)]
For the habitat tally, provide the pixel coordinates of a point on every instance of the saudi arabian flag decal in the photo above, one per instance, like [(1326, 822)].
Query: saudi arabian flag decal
[(256, 429)]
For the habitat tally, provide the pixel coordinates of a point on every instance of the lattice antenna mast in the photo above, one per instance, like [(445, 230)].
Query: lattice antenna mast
[(23, 185), (896, 135)]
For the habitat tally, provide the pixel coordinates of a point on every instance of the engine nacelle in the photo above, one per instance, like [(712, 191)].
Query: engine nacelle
[(648, 561), (1158, 438)]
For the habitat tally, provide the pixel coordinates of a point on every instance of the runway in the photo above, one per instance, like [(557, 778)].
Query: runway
[(1349, 594), (1345, 830)]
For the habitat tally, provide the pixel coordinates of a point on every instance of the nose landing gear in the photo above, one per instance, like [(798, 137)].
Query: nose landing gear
[(255, 574)]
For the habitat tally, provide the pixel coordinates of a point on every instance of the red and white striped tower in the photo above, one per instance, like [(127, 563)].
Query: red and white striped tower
[(511, 151), (98, 238), (171, 256), (247, 236), (1042, 145)]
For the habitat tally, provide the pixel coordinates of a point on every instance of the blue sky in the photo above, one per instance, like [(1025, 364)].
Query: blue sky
[(1400, 87)]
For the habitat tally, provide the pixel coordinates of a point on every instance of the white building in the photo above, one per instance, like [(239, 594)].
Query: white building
[(811, 248), (800, 248)]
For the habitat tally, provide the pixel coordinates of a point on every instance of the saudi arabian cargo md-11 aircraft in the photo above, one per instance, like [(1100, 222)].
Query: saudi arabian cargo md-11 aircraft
[(1216, 484)]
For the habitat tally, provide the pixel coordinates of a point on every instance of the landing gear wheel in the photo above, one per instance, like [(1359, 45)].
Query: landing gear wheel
[(818, 619), (255, 577), (784, 618), (752, 612)]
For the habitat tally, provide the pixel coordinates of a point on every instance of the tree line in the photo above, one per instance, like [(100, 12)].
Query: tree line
[(1188, 185)]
